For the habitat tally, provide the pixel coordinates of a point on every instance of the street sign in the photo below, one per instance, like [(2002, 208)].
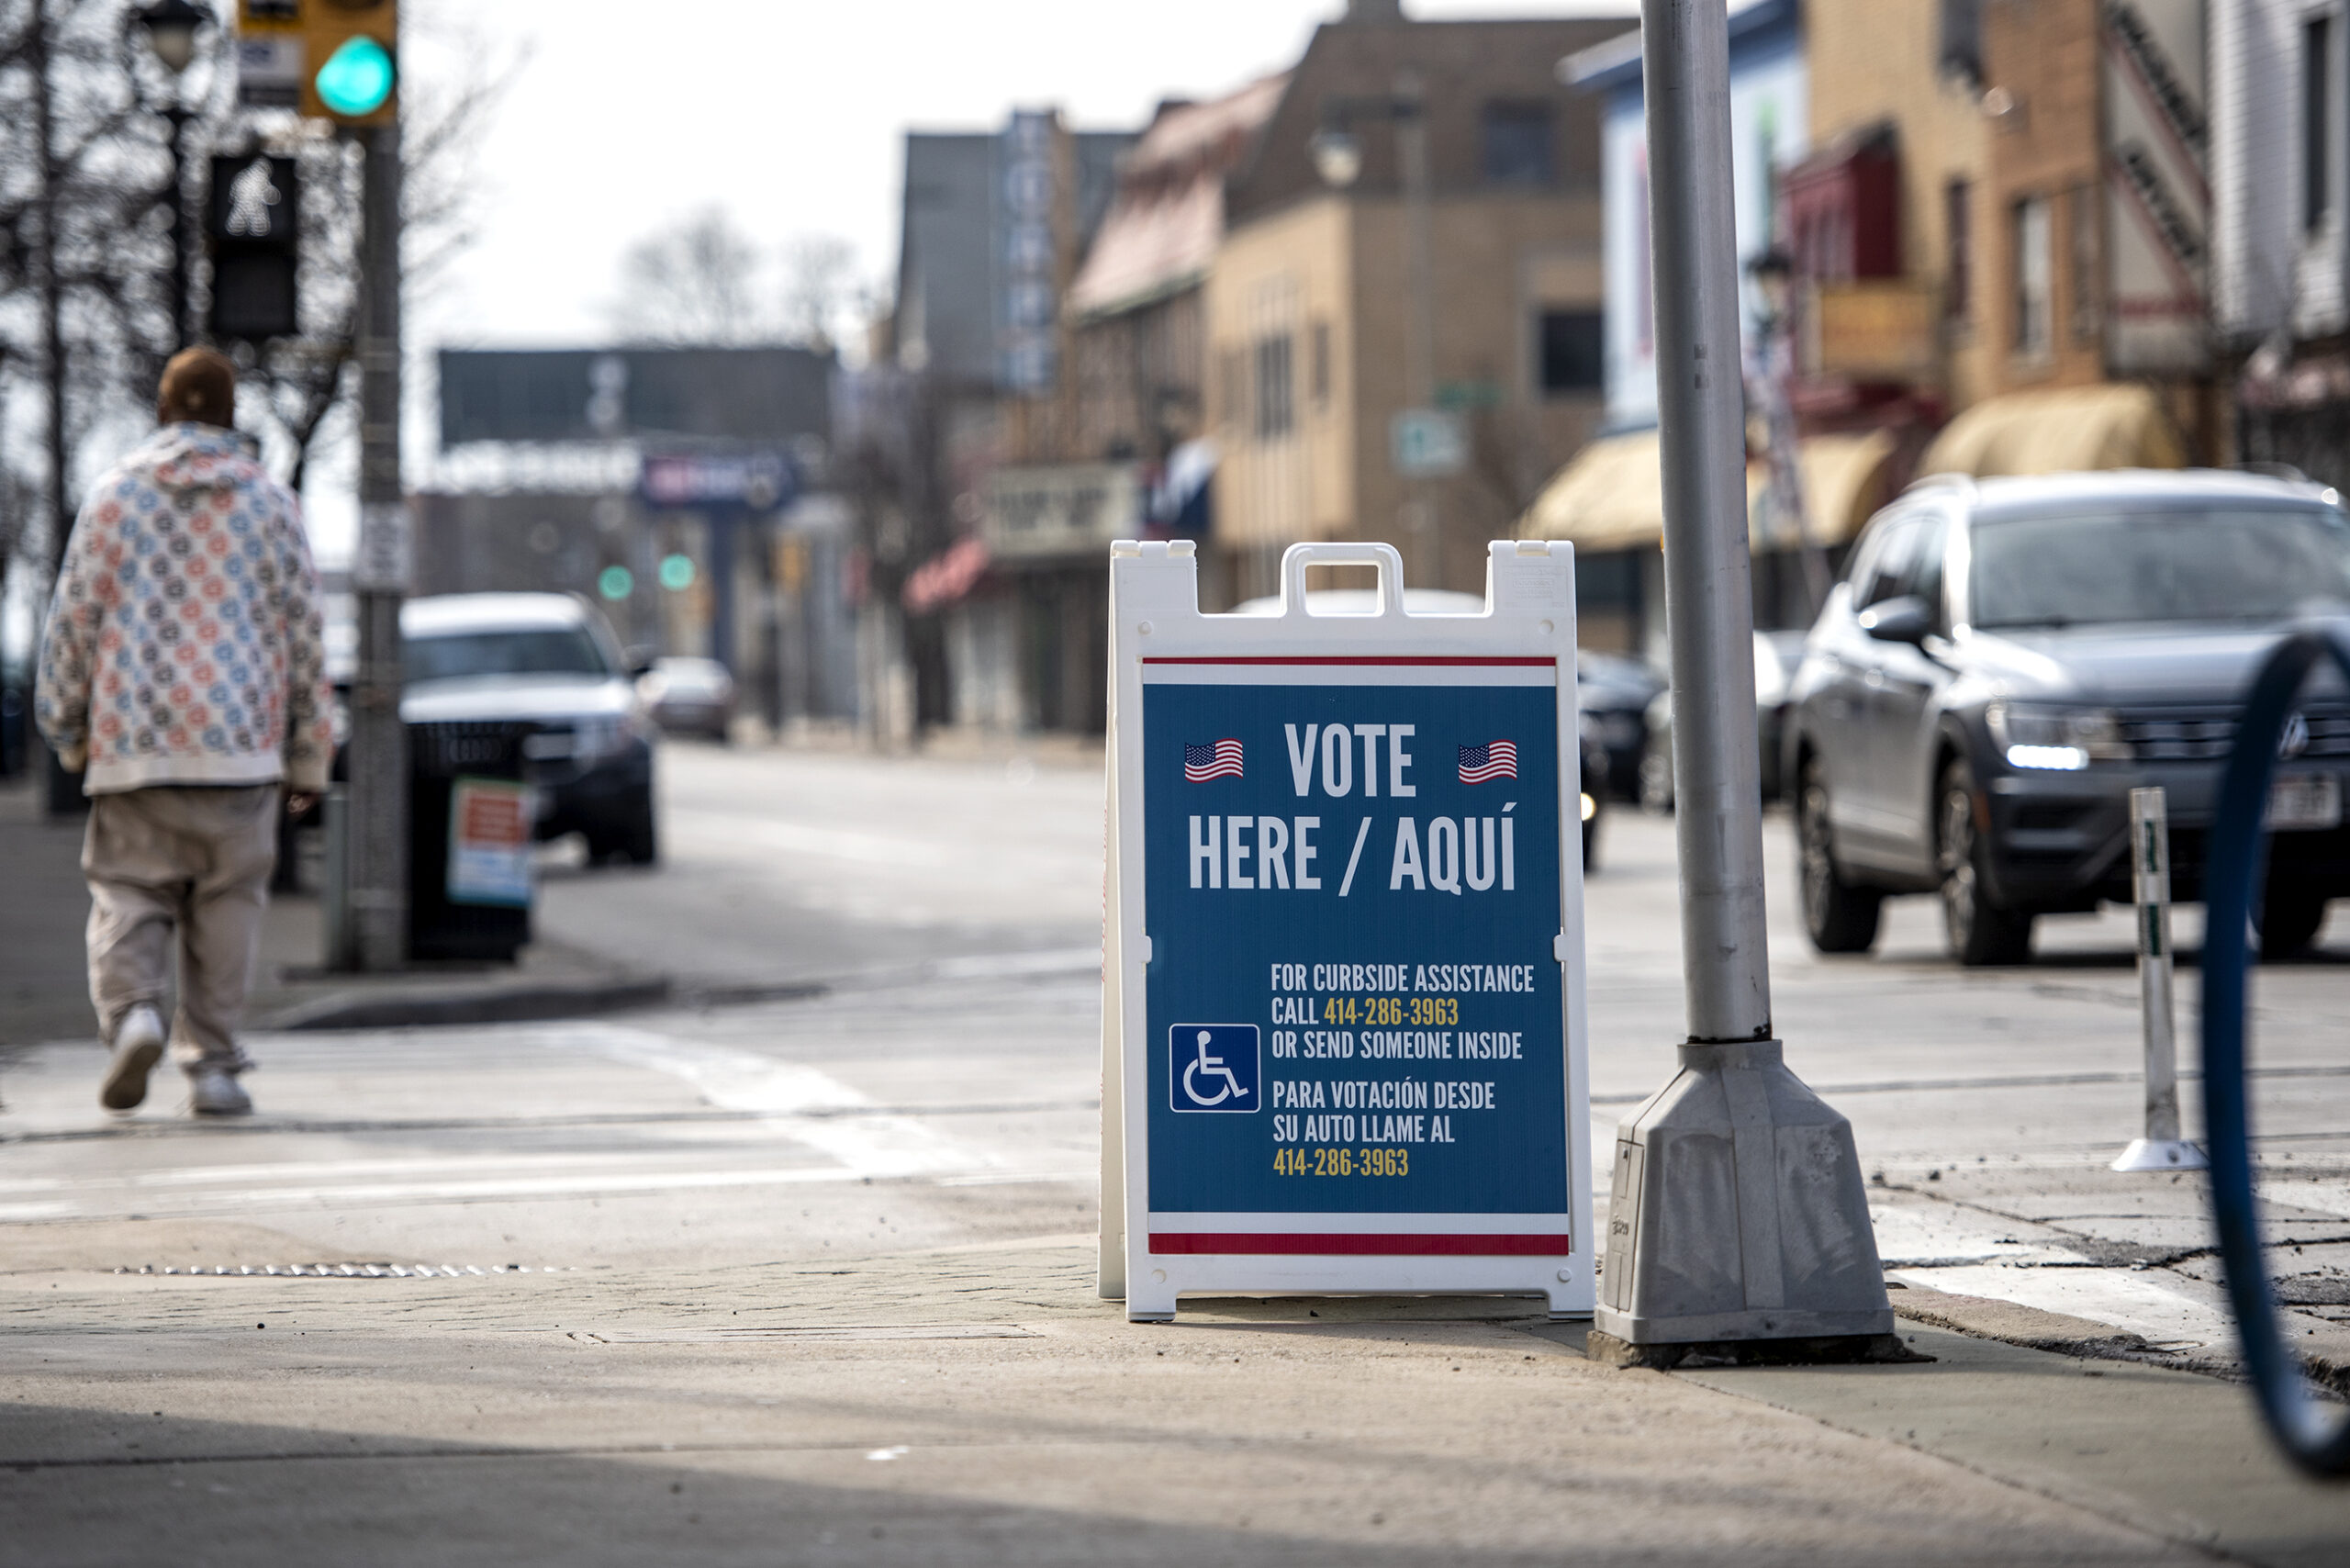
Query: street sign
[(1343, 991), (489, 843), (1428, 443), (270, 54)]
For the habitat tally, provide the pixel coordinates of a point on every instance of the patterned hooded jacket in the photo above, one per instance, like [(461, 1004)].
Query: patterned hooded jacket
[(185, 643)]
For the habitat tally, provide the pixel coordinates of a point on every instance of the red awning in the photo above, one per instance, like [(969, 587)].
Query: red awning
[(945, 577)]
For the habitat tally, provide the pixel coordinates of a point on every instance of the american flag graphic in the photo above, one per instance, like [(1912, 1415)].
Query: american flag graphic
[(1494, 760), (1202, 763)]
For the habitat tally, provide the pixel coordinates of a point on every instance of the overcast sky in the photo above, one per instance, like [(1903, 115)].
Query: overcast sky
[(624, 116)]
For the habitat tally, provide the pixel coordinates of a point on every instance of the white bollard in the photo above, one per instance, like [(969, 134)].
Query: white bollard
[(2161, 1148)]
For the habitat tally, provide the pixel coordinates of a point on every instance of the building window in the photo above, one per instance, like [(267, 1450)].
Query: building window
[(1518, 144), (1276, 413), (1233, 374), (1321, 367), (1958, 219), (2088, 265), (2317, 121), (2034, 266), (1573, 359)]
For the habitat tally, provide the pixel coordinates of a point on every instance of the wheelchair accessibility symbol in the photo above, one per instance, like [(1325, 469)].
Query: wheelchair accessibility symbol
[(1213, 1067)]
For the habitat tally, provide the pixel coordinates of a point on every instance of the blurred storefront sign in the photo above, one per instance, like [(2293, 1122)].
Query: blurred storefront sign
[(758, 481), (1061, 509), (760, 396), (1028, 348), (1871, 329)]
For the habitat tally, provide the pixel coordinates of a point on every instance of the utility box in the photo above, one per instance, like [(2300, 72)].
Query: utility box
[(469, 841)]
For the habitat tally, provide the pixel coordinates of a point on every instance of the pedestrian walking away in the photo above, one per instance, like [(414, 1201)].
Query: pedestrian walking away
[(183, 673)]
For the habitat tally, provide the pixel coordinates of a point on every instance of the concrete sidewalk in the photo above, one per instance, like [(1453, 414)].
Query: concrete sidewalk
[(979, 1404), (44, 994)]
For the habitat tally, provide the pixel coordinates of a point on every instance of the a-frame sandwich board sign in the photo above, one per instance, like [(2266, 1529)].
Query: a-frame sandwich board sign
[(1343, 1044)]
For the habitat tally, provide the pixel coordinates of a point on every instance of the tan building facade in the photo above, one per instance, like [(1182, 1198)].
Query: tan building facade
[(1311, 303), (1879, 62)]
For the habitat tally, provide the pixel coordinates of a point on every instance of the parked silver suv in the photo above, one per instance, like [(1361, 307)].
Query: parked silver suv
[(2006, 660)]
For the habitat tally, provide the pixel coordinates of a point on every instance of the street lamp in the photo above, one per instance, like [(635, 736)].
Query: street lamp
[(1338, 158), (171, 26)]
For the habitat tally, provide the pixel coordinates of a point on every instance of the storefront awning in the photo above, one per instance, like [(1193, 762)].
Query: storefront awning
[(945, 577), (2061, 431), (1845, 479), (1612, 496)]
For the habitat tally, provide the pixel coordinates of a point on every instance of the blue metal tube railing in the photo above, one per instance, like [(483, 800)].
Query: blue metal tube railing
[(2316, 1437)]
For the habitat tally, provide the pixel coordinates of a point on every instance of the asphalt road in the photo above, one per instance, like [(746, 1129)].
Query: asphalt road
[(928, 1125)]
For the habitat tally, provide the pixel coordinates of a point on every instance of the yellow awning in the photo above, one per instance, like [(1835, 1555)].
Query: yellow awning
[(2064, 430), (1844, 481), (1611, 497)]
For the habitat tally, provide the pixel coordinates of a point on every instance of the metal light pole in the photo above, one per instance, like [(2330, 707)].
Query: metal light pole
[(171, 26), (1738, 1212), (374, 884)]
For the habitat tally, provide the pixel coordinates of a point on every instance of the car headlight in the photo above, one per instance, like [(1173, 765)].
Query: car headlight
[(596, 739), (2061, 739)]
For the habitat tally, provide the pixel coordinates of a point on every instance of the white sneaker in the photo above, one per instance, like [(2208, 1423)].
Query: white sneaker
[(215, 1091), (138, 1047)]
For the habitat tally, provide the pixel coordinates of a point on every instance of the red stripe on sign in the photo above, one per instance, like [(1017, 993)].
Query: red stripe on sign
[(1446, 659), (1356, 1244)]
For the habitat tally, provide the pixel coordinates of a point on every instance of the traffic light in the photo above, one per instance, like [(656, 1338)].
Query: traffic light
[(252, 227), (335, 59), (353, 48)]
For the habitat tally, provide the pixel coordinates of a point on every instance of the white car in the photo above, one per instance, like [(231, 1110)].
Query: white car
[(549, 660)]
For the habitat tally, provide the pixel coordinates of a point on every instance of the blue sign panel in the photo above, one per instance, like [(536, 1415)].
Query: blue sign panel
[(1359, 883)]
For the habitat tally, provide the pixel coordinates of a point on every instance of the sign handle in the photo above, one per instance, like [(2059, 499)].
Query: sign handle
[(1297, 557)]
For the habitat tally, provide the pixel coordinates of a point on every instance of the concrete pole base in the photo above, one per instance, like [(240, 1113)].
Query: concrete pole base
[(1739, 1213), (1835, 1350), (2160, 1154)]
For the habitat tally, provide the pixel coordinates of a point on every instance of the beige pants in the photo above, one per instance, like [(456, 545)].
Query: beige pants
[(190, 862)]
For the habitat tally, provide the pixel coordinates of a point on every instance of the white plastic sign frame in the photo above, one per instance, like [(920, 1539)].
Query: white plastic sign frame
[(1204, 711)]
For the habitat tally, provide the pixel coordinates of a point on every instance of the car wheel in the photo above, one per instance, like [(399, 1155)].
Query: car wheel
[(1838, 916), (2291, 919), (1980, 932)]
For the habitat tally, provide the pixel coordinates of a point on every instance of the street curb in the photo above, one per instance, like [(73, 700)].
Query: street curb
[(541, 1004), (502, 1004)]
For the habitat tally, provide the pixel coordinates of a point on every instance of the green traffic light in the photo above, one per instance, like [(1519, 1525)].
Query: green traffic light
[(356, 78), (677, 573), (616, 582)]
